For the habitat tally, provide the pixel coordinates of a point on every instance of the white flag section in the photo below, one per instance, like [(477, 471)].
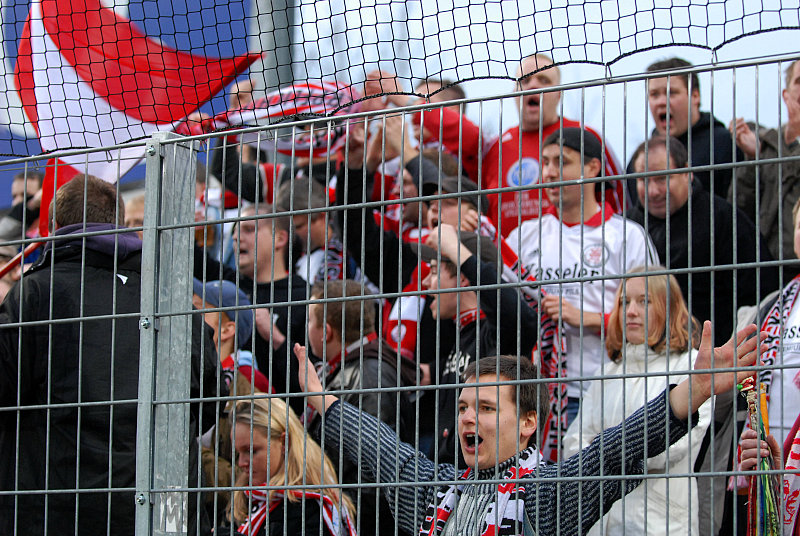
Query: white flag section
[(69, 113), (89, 78)]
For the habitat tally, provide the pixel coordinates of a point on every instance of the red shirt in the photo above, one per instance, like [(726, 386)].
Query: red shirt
[(460, 136), (255, 377), (525, 171)]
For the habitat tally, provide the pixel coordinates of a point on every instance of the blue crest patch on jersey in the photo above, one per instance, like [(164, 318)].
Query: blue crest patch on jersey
[(524, 172)]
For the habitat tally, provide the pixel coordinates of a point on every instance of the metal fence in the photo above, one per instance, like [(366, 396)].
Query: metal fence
[(113, 398)]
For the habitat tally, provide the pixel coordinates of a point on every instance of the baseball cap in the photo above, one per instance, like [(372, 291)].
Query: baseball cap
[(451, 185), (578, 139), (225, 294)]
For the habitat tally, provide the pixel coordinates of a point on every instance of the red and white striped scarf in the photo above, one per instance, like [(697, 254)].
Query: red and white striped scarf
[(505, 516), (303, 99), (336, 523)]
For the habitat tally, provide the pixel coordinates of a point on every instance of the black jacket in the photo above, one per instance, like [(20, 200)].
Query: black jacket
[(290, 319), (370, 366), (675, 255), (72, 361)]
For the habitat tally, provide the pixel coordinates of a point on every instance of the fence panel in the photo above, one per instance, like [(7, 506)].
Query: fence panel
[(166, 339), (226, 437)]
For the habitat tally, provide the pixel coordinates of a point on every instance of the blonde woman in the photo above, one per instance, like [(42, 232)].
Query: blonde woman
[(650, 335), (272, 449)]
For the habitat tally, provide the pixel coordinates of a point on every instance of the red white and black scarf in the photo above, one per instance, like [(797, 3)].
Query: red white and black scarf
[(774, 325), (505, 516), (338, 524)]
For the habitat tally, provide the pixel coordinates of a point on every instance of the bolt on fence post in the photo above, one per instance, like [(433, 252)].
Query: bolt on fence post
[(162, 453)]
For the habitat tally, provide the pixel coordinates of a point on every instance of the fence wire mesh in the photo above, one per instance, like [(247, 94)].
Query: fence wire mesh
[(296, 346)]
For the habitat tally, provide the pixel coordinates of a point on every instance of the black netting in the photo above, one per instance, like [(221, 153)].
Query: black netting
[(80, 74)]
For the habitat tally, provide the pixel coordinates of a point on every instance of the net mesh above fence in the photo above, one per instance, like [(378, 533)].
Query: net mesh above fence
[(93, 75)]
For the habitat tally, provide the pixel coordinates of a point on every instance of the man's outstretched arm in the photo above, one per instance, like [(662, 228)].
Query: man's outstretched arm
[(376, 449)]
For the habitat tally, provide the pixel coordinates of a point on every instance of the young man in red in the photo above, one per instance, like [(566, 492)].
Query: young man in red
[(513, 160)]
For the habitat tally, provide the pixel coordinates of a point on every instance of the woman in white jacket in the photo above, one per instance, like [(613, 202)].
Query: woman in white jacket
[(649, 354)]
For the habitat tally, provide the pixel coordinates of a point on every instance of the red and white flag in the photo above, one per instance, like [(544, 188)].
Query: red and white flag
[(89, 78), (303, 99)]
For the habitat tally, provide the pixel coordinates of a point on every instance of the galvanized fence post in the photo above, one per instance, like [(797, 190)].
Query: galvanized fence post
[(163, 435)]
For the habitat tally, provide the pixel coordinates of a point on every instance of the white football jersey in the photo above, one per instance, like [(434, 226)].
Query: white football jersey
[(596, 252)]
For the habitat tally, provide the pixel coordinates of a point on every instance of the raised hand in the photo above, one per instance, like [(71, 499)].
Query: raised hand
[(267, 328), (746, 139), (730, 355), (310, 383), (446, 239), (394, 133), (380, 82), (355, 144)]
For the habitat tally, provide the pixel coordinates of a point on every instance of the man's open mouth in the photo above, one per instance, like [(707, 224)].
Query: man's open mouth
[(472, 440)]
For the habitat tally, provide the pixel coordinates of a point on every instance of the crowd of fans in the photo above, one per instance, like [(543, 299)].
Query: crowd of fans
[(519, 261)]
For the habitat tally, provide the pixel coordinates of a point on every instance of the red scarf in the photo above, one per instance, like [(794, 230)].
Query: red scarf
[(261, 508), (466, 318)]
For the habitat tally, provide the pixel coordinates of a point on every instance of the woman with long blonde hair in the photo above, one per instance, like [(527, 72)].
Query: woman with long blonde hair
[(650, 340), (273, 450)]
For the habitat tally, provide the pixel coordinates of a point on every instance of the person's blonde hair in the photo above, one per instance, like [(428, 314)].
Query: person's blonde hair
[(659, 289), (305, 463)]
